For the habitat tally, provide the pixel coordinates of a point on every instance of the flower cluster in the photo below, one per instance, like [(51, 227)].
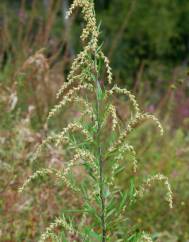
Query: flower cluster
[(148, 183), (145, 238), (89, 17), (69, 98), (59, 222)]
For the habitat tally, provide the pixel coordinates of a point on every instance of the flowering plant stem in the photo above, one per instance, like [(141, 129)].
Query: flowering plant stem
[(100, 160)]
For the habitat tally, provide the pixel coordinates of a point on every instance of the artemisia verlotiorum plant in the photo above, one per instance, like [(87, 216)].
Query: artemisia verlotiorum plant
[(99, 145)]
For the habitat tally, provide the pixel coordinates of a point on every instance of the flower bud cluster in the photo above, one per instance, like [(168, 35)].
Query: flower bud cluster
[(148, 183), (40, 173), (68, 98), (135, 122), (107, 65), (111, 111), (145, 238), (131, 97), (59, 222), (68, 84), (89, 16), (44, 143), (73, 127)]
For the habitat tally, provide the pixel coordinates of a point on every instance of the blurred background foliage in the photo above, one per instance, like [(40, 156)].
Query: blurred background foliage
[(148, 44)]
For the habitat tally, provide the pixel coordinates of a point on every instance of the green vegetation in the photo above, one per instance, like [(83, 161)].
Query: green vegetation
[(147, 46)]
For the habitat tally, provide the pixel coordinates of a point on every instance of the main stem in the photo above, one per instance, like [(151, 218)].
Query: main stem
[(99, 150)]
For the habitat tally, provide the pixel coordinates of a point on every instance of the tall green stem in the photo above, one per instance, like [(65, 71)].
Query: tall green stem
[(99, 150)]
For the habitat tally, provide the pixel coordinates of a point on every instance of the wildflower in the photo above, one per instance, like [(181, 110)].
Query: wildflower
[(90, 152)]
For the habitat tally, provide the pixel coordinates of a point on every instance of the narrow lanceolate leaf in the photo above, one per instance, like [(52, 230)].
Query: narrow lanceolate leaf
[(92, 234), (99, 91), (132, 190), (123, 197)]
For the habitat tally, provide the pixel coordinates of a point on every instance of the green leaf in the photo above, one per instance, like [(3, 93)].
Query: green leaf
[(99, 91), (132, 190), (74, 211), (113, 210), (123, 200), (89, 170), (92, 234), (136, 237), (119, 170)]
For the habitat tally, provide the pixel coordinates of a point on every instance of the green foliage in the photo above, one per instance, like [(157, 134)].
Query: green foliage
[(149, 33), (22, 116)]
